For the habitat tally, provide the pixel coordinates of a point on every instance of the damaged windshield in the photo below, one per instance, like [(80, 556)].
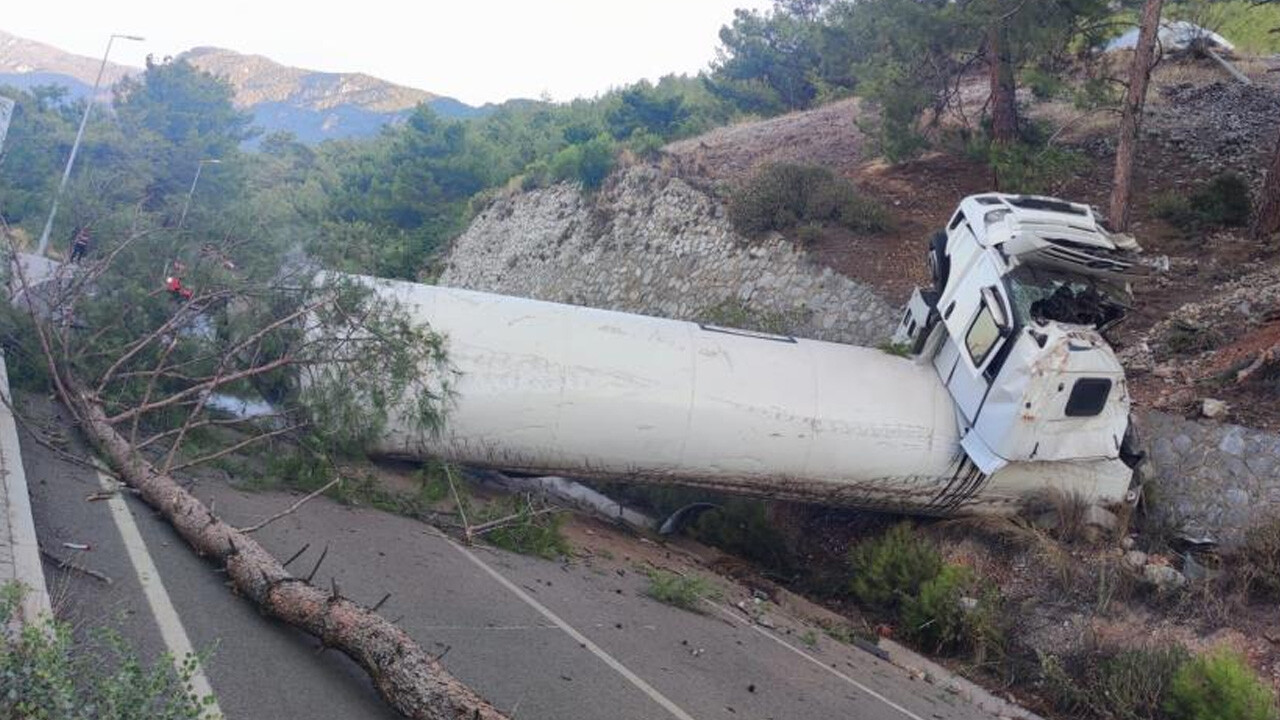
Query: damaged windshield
[(1038, 294)]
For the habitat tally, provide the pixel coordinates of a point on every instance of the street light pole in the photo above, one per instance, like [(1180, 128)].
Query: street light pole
[(187, 205), (75, 147)]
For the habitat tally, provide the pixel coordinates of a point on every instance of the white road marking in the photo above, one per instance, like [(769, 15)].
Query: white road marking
[(608, 659), (171, 630), (489, 628), (730, 614)]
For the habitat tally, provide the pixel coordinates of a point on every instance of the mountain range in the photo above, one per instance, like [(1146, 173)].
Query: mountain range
[(313, 105)]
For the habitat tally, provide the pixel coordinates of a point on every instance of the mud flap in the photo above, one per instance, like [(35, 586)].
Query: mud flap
[(980, 454)]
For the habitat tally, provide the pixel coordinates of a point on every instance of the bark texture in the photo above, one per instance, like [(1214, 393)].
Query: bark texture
[(1130, 122), (1267, 222), (1004, 102), (410, 680)]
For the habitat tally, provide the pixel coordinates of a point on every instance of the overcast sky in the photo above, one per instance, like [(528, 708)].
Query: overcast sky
[(475, 50)]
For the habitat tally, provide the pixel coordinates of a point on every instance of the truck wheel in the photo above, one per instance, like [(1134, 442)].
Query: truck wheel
[(939, 263)]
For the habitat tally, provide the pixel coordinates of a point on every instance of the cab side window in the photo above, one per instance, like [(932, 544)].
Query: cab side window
[(983, 335)]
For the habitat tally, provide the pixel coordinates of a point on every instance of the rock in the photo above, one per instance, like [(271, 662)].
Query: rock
[(1100, 517), (1213, 409), (1165, 372), (1194, 570), (1127, 543), (1135, 559), (667, 249), (1164, 577)]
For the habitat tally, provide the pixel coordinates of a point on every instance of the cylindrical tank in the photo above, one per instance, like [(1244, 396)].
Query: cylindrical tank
[(561, 389)]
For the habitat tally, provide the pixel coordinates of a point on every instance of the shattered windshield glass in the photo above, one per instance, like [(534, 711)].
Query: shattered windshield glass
[(1039, 294)]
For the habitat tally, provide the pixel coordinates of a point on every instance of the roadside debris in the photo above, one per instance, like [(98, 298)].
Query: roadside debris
[(67, 564), (1214, 409)]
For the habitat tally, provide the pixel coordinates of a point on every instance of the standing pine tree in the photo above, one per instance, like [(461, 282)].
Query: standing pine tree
[(1135, 99)]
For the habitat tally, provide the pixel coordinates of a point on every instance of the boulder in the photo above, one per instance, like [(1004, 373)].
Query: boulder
[(1163, 577)]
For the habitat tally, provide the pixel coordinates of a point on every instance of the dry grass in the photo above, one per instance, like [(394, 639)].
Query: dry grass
[(1256, 566), (1197, 73), (1065, 515)]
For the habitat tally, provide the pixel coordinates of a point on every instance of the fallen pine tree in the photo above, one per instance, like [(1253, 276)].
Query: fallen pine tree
[(156, 359), (410, 680)]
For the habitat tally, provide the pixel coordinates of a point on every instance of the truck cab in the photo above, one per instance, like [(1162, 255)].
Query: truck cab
[(1023, 288)]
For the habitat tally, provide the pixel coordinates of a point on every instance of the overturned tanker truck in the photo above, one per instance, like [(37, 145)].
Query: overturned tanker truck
[(999, 385)]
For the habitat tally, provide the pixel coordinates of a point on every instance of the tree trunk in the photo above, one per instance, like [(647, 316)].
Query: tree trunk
[(1135, 99), (410, 680), (1267, 222), (1004, 103)]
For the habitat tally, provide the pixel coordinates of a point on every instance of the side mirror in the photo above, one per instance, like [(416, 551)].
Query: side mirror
[(993, 301)]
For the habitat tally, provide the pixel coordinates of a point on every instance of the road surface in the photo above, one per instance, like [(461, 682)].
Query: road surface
[(575, 640)]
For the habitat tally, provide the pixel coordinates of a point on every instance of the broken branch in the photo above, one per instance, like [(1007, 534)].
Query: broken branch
[(67, 564), (292, 509), (232, 448), (501, 522)]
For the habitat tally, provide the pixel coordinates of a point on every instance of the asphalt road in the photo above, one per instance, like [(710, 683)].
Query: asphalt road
[(540, 639)]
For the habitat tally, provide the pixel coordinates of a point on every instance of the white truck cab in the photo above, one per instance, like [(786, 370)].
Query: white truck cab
[(1023, 288)]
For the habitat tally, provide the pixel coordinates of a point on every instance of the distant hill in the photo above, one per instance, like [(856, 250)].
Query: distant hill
[(258, 79), (313, 105), (19, 56)]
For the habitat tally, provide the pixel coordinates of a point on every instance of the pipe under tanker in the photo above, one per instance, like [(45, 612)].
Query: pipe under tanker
[(560, 389)]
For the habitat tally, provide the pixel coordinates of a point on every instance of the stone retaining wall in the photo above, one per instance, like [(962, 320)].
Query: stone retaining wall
[(1211, 480), (652, 244)]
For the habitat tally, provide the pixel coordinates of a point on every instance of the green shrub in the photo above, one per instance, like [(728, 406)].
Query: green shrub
[(742, 527), (679, 590), (838, 202), (1095, 93), (537, 174), (1188, 338), (1125, 685), (734, 313), (1173, 207), (1133, 683), (1220, 686), (934, 618), (588, 163), (892, 568), (953, 613), (1032, 168), (645, 144), (1224, 201), (47, 675), (780, 197), (1043, 83), (527, 533)]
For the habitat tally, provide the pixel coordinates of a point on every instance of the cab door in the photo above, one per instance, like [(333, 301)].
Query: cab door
[(978, 341)]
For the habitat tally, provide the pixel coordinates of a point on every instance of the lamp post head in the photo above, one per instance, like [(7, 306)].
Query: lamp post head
[(139, 38), (211, 161)]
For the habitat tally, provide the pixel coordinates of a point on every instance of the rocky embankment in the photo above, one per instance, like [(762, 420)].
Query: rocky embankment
[(653, 244)]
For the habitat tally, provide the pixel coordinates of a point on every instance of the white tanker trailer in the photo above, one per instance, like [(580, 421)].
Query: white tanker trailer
[(1007, 390)]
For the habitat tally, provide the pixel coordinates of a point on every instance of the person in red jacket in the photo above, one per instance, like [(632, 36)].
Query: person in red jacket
[(173, 283)]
